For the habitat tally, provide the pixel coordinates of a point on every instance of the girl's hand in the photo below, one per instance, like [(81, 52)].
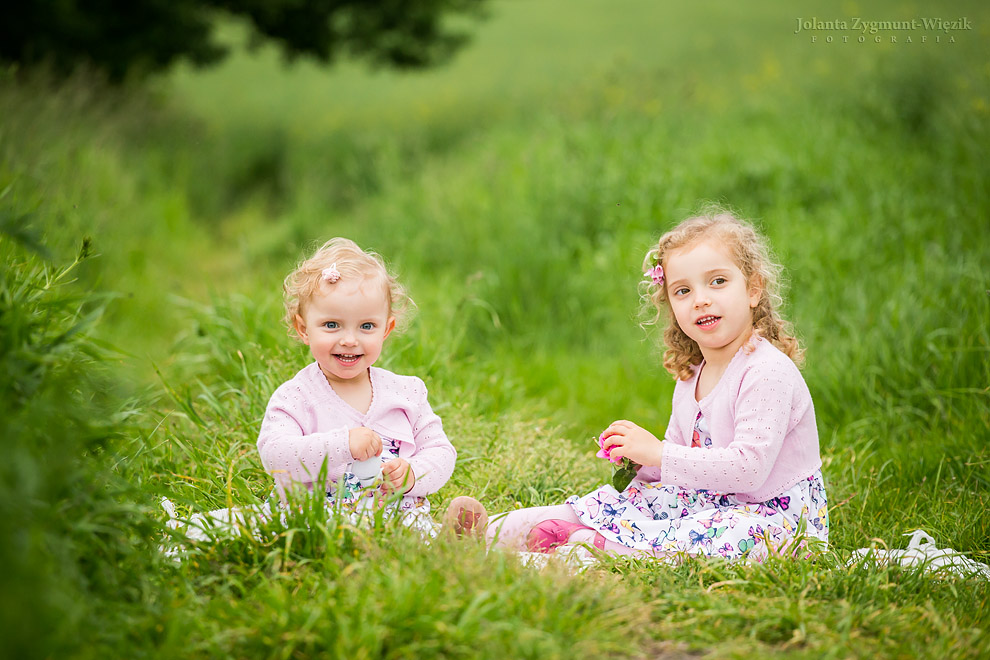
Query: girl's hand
[(625, 439), (398, 476), (364, 443)]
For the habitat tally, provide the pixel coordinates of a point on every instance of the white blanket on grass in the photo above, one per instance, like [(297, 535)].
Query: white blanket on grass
[(922, 552), (232, 522)]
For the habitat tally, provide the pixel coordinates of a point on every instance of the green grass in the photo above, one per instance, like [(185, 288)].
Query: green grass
[(515, 191)]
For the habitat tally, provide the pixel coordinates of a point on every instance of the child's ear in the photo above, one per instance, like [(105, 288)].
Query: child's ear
[(389, 326), (300, 326), (755, 290)]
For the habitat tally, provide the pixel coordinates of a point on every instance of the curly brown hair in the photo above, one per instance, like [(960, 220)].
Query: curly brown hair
[(351, 262), (751, 253)]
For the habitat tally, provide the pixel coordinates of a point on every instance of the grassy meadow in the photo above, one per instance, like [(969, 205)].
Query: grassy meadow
[(145, 232)]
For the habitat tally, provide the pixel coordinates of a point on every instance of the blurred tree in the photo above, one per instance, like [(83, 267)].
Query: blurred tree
[(127, 37)]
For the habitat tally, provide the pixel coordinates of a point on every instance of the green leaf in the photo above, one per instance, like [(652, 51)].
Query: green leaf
[(623, 475)]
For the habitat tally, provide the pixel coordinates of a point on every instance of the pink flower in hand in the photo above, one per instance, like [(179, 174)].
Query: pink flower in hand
[(626, 469), (605, 453)]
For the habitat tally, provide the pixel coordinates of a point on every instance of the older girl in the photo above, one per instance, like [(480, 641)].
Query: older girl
[(737, 472)]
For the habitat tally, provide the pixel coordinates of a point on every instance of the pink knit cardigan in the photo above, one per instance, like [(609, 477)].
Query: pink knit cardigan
[(306, 422), (762, 424)]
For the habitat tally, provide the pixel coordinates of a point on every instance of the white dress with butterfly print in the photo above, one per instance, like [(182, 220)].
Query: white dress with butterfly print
[(670, 520), (358, 503)]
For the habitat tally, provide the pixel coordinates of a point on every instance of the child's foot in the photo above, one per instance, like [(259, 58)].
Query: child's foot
[(466, 516), (549, 534)]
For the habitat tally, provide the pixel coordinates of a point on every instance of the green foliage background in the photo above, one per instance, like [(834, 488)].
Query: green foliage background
[(515, 191), (131, 40)]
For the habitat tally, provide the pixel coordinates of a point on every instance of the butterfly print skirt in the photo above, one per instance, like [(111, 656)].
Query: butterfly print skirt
[(669, 520)]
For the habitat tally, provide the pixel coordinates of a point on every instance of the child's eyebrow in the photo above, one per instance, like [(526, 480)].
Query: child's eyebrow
[(708, 273), (718, 271)]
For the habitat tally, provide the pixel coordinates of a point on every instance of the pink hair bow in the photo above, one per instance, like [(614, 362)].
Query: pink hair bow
[(331, 274)]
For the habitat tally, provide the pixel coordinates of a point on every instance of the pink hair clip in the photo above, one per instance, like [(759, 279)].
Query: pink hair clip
[(331, 274), (656, 274)]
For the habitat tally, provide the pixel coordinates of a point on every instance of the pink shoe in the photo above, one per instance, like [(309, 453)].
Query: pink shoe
[(546, 536)]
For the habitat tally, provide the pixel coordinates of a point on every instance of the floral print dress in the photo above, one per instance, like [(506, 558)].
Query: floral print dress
[(356, 501), (670, 520)]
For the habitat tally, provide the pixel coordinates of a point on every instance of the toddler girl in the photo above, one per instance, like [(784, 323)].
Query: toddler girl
[(341, 410), (738, 470)]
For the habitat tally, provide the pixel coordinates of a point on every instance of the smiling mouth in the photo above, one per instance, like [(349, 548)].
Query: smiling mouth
[(707, 321), (347, 358)]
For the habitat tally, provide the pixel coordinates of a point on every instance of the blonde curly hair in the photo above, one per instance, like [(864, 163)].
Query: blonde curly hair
[(352, 262), (751, 253)]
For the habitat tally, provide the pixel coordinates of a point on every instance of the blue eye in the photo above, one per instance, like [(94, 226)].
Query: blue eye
[(331, 325), (367, 326)]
